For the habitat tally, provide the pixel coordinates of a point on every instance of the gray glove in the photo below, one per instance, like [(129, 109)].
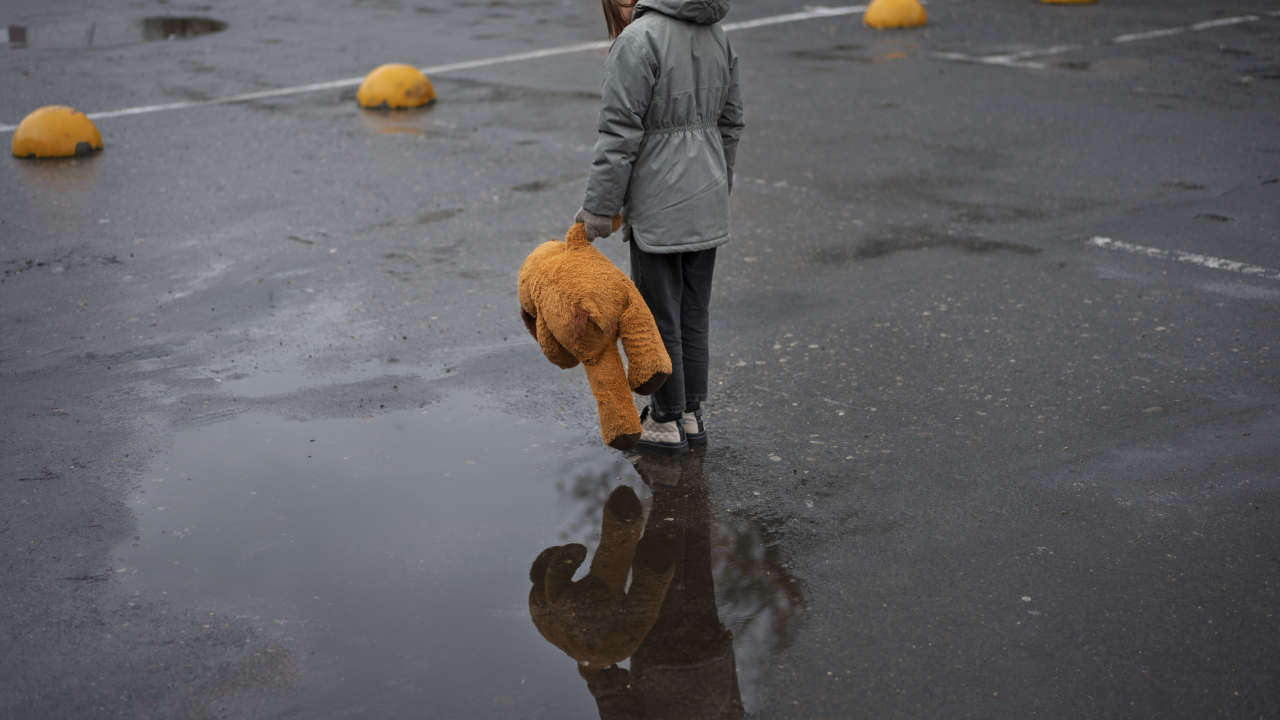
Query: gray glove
[(597, 226)]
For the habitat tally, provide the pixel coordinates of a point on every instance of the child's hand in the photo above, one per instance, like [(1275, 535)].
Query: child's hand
[(597, 226)]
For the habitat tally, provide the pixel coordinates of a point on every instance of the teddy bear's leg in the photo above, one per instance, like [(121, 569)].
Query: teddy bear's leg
[(551, 347), (620, 530), (648, 364), (651, 574), (619, 422)]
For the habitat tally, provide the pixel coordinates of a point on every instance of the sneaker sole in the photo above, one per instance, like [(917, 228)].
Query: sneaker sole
[(662, 448)]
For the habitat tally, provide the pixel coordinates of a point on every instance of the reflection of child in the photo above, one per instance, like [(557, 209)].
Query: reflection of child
[(668, 135), (685, 667)]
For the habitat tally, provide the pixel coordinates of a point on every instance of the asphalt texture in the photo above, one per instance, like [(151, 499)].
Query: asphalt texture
[(276, 443)]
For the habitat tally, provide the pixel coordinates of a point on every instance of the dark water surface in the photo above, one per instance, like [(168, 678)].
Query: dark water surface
[(382, 563), (109, 33)]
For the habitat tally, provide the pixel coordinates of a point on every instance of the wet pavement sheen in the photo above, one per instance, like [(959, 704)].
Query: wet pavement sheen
[(277, 445)]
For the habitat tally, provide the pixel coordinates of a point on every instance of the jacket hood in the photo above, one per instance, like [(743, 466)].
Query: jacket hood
[(702, 12)]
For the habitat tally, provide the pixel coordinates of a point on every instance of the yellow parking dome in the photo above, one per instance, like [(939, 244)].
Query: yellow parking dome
[(395, 87), (55, 131), (887, 14)]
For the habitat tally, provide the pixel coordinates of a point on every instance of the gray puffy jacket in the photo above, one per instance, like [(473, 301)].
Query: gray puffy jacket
[(669, 127)]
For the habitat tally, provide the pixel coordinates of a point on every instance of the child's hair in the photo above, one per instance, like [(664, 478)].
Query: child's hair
[(613, 15)]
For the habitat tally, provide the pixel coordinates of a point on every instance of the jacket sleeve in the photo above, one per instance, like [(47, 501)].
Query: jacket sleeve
[(629, 77), (731, 121)]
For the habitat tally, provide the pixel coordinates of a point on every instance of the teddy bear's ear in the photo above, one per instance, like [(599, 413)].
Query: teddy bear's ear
[(552, 572), (586, 322), (580, 320), (577, 236), (586, 317)]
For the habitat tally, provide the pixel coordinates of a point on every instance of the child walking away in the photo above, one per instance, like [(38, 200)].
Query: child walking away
[(668, 134)]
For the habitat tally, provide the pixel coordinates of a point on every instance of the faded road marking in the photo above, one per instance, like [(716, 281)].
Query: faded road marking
[(1148, 35), (1018, 59), (808, 14), (1207, 261), (1026, 58)]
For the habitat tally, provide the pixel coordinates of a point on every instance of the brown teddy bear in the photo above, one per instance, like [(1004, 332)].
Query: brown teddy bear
[(597, 620), (578, 305)]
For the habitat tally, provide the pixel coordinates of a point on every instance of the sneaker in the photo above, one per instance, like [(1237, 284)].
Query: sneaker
[(661, 437), (694, 431)]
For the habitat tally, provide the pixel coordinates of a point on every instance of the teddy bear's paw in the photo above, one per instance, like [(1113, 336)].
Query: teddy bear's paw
[(624, 442), (650, 386)]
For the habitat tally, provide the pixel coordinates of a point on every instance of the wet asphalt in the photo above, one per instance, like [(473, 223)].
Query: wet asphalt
[(277, 445)]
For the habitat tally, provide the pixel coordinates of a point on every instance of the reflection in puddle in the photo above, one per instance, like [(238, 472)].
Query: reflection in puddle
[(111, 32), (399, 122), (59, 175), (388, 554), (672, 624)]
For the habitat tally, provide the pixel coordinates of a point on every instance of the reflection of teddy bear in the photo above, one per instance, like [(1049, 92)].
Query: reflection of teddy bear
[(578, 305), (595, 620)]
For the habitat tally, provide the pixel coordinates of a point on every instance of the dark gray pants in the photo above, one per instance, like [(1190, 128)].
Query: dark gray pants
[(677, 288)]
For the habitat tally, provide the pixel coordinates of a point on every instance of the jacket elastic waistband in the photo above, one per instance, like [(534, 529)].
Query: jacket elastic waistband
[(681, 128)]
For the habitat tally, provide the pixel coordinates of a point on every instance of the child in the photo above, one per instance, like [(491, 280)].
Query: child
[(668, 134)]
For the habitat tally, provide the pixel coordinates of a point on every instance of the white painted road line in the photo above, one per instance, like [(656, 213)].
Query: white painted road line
[(1027, 58), (244, 97), (1207, 261), (811, 13), (1148, 35), (1223, 22)]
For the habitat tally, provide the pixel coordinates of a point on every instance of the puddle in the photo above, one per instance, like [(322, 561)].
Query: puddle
[(546, 183), (392, 555), (111, 32), (259, 385), (1109, 66), (880, 52), (438, 215), (898, 242)]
